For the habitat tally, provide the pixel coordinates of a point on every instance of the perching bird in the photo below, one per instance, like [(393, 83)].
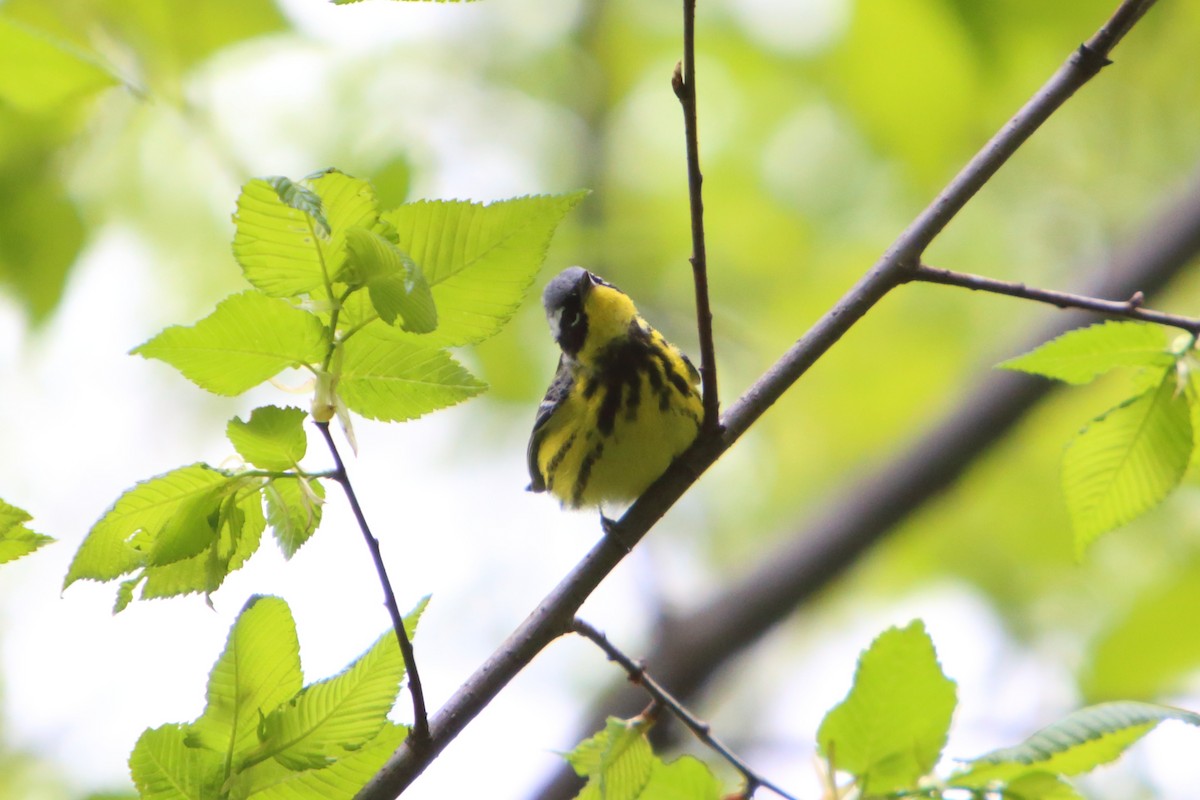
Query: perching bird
[(623, 404)]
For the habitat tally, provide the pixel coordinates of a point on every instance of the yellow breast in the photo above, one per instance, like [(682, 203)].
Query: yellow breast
[(633, 408)]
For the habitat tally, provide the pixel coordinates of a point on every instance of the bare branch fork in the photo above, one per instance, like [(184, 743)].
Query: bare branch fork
[(420, 729), (638, 675), (554, 615)]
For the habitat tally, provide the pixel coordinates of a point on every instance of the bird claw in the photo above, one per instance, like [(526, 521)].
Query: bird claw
[(609, 526)]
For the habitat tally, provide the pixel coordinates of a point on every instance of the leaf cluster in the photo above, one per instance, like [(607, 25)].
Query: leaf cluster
[(266, 735), (186, 530), (367, 301), (618, 762)]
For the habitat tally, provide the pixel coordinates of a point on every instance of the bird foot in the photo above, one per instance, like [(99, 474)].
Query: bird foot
[(613, 532)]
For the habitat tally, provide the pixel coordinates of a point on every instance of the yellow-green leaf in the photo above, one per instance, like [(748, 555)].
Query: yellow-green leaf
[(1127, 460), (1080, 356), (1078, 743), (293, 510), (258, 670), (394, 282), (890, 729), (273, 438), (113, 547), (16, 540), (163, 767), (248, 339), (276, 243), (480, 260), (390, 375)]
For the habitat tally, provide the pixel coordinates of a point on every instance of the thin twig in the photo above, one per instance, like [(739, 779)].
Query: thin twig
[(702, 730), (1131, 308), (684, 83), (554, 613), (420, 729)]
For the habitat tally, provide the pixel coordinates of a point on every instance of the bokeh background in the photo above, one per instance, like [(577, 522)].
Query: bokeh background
[(826, 125)]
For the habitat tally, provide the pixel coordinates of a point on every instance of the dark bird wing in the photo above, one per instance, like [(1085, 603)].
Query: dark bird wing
[(560, 387)]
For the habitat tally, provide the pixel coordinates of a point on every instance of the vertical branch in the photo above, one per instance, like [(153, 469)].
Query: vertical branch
[(684, 84), (420, 730)]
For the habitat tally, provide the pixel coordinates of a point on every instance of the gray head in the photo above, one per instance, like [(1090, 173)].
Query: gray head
[(563, 298)]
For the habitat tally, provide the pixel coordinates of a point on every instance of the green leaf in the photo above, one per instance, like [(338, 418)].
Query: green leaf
[(238, 530), (301, 198), (1040, 786), (114, 545), (190, 530), (162, 41), (332, 717), (1152, 648), (163, 767), (341, 780), (685, 778), (234, 549), (16, 540), (272, 439), (387, 375), (258, 670), (1080, 742), (293, 511), (617, 761), (350, 203), (1082, 355), (1127, 461), (40, 74), (479, 259), (314, 744), (33, 199), (890, 729), (248, 339), (395, 284), (276, 244), (125, 594)]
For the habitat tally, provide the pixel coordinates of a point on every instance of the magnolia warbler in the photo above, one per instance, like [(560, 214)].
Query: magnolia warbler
[(623, 403)]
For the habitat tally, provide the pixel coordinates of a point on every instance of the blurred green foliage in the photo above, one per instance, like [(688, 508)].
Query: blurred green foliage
[(821, 137)]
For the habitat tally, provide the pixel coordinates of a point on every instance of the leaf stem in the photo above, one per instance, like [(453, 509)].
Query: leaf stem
[(420, 730), (356, 328), (290, 473), (702, 730), (683, 81), (334, 313), (1131, 308)]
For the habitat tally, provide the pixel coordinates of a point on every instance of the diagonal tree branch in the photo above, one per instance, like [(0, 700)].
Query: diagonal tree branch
[(554, 614), (690, 648)]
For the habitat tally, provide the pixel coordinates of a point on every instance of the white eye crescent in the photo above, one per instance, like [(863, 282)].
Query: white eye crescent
[(555, 320)]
